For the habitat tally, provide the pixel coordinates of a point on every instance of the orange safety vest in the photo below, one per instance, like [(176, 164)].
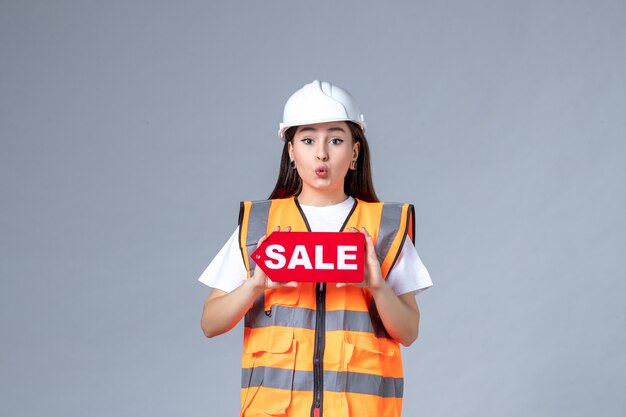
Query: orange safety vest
[(318, 349)]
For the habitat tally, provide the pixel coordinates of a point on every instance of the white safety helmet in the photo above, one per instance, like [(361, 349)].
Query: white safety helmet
[(319, 102)]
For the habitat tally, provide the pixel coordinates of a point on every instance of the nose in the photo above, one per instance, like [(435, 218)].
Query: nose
[(321, 153)]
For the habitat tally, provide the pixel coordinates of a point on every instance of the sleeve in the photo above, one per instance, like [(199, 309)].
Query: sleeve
[(226, 271), (409, 273)]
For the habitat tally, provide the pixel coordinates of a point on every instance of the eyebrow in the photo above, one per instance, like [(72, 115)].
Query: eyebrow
[(330, 129)]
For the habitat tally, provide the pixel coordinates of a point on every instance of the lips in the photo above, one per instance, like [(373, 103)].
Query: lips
[(321, 172)]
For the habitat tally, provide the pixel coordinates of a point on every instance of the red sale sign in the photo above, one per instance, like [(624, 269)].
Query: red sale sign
[(312, 256)]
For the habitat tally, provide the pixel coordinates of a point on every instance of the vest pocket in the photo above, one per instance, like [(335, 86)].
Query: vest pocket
[(366, 359), (281, 296), (369, 355), (267, 385), (367, 369)]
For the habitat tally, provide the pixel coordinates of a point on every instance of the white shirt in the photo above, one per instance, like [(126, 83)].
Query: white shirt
[(227, 270)]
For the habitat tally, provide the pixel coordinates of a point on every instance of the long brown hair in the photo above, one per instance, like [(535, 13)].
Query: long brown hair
[(357, 183)]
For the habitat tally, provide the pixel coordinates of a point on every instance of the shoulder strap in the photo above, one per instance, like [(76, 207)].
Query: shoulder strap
[(396, 222), (252, 225)]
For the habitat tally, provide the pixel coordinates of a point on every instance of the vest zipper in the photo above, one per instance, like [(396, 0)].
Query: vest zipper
[(318, 356)]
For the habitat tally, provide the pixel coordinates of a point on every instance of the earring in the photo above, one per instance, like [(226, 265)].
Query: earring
[(353, 165), (293, 164)]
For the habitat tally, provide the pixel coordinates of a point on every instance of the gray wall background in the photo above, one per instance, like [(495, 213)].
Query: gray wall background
[(130, 131)]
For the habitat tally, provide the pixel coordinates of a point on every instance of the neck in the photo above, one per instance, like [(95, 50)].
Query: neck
[(321, 199)]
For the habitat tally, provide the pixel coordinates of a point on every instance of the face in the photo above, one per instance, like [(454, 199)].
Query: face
[(323, 153)]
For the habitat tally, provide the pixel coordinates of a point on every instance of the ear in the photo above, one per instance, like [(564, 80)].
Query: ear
[(356, 147), (290, 150)]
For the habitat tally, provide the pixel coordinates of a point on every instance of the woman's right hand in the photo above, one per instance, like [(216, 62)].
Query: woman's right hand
[(260, 279)]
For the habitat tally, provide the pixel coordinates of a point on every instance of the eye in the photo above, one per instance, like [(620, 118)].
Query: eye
[(306, 141), (336, 141)]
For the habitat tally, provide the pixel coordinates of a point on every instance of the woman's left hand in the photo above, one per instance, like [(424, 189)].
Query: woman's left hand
[(373, 277)]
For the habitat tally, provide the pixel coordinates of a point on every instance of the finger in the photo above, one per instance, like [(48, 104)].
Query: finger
[(261, 240), (370, 251), (287, 229), (292, 284), (353, 284), (276, 229), (368, 239)]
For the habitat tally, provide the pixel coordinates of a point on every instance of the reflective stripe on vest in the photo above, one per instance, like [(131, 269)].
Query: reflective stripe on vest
[(333, 381), (361, 371)]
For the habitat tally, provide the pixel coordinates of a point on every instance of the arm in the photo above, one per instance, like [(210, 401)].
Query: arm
[(399, 314), (222, 310)]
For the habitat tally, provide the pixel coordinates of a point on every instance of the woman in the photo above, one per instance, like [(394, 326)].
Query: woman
[(312, 348)]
